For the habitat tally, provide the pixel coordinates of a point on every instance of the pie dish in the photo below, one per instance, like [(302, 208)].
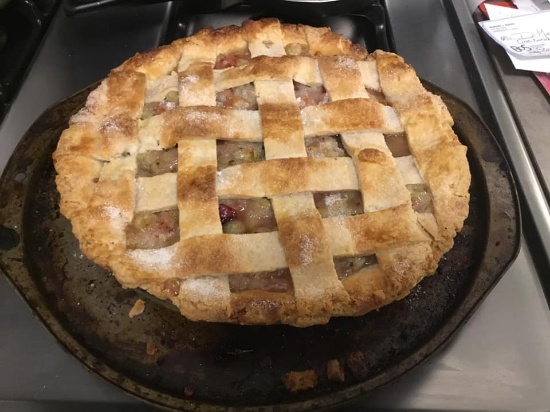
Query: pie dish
[(263, 174)]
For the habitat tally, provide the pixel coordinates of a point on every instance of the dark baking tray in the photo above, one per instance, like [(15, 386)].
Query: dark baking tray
[(162, 358)]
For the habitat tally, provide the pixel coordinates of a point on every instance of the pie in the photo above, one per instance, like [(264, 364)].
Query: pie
[(263, 174)]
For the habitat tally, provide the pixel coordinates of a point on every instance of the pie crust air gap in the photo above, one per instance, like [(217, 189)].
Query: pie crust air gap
[(263, 174)]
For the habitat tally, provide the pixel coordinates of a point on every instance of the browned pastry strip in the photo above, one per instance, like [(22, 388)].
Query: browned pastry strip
[(196, 84), (342, 77), (207, 121), (369, 233), (300, 68), (197, 198), (350, 115), (152, 195), (286, 176), (281, 137)]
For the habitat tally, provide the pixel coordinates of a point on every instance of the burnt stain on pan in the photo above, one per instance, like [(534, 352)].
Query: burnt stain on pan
[(9, 238)]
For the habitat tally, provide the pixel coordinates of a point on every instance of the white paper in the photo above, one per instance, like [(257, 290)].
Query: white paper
[(532, 5), (535, 65), (522, 36), (539, 64), (500, 12)]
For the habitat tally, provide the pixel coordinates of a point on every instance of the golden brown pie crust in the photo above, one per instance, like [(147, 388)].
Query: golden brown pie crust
[(100, 194)]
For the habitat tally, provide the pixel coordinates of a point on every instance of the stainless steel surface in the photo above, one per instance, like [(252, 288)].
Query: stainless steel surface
[(530, 105), (532, 109), (498, 361), (504, 124)]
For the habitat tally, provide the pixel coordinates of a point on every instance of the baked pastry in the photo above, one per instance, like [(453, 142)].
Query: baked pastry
[(264, 174)]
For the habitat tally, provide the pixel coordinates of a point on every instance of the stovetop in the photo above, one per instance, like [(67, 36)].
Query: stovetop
[(497, 362), (22, 26), (365, 26)]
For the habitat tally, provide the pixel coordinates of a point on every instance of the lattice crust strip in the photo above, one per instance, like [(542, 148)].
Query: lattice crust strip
[(363, 100)]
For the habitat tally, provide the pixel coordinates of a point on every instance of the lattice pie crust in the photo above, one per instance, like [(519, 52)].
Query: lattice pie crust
[(225, 277)]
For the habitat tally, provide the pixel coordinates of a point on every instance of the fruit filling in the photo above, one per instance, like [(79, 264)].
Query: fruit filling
[(155, 108), (297, 49), (275, 281), (347, 266), (231, 153), (309, 95), (344, 203), (239, 216), (153, 230), (239, 58), (324, 146), (157, 162), (244, 97), (281, 280), (398, 145), (378, 96), (421, 198), (239, 98)]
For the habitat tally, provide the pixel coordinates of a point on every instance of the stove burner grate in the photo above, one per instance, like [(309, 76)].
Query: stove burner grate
[(366, 26), (22, 26)]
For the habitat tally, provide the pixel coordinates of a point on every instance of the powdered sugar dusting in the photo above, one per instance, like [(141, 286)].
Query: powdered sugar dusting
[(345, 62), (82, 116), (112, 212), (191, 79), (208, 288), (340, 221), (393, 122), (110, 125), (153, 258), (332, 199), (402, 265), (307, 250), (197, 116), (228, 178), (115, 216), (98, 97), (313, 290)]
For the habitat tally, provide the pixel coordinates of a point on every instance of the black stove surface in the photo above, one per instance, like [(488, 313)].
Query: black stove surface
[(366, 25), (22, 26), (362, 21)]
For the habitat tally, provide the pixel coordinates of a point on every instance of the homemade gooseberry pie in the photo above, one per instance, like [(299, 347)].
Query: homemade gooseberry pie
[(263, 174)]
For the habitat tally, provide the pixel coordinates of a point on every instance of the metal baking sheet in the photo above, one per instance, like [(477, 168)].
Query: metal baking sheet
[(162, 358)]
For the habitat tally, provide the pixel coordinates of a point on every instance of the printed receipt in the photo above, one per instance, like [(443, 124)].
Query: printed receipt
[(525, 36)]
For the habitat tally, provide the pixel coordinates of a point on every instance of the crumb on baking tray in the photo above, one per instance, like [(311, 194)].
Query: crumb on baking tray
[(356, 364), (335, 372), (296, 381), (137, 309), (151, 348)]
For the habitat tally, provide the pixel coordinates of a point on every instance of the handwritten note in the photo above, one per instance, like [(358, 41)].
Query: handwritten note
[(522, 36)]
